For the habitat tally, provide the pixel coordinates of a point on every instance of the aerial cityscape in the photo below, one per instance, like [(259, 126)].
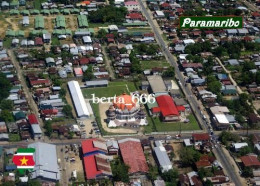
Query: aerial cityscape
[(130, 92)]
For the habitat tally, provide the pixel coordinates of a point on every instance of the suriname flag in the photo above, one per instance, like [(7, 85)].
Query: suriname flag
[(23, 159)]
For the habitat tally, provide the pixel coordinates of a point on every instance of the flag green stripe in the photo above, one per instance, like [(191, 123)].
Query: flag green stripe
[(25, 150)]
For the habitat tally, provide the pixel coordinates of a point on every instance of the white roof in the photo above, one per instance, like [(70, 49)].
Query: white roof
[(163, 158), (78, 99), (188, 41), (239, 145), (159, 13), (221, 118), (187, 142), (46, 164)]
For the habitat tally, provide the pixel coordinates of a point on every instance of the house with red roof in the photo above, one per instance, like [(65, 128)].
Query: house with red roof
[(205, 162), (95, 159), (49, 112), (167, 109), (135, 16), (40, 83), (32, 119), (132, 6), (200, 138), (133, 155), (250, 161)]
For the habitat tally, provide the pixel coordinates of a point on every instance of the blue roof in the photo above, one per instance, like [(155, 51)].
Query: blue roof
[(10, 167), (222, 76)]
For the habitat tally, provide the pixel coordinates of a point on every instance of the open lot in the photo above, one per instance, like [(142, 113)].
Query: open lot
[(156, 125), (153, 63), (114, 88)]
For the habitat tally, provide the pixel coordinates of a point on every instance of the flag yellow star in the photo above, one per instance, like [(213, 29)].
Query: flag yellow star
[(24, 161)]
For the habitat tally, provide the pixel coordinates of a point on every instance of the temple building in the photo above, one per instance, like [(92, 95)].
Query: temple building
[(126, 112)]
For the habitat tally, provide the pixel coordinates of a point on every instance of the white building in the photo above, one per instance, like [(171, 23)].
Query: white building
[(132, 5), (78, 100), (162, 157), (46, 162), (238, 146)]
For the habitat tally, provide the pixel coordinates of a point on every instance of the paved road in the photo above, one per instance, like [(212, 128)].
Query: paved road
[(189, 95), (250, 6)]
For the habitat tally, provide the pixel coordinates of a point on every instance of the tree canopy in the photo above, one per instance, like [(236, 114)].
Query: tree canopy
[(120, 171), (5, 86), (189, 156), (108, 14)]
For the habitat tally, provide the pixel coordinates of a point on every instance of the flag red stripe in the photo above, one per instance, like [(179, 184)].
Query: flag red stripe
[(17, 162)]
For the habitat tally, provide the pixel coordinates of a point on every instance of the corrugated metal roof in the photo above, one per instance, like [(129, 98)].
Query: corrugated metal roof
[(45, 158), (78, 99), (163, 158)]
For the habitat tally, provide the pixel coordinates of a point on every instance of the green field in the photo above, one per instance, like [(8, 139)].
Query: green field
[(114, 88), (153, 63), (37, 4), (155, 125)]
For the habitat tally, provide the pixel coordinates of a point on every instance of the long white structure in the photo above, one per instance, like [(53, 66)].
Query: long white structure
[(78, 100), (162, 158)]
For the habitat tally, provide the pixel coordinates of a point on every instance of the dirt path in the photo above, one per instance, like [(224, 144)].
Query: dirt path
[(108, 63), (31, 102), (14, 24)]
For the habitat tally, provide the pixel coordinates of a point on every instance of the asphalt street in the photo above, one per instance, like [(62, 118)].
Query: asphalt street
[(189, 95)]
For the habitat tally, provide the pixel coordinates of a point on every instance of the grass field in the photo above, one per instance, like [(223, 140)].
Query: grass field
[(7, 42), (153, 63), (37, 4), (155, 125), (114, 88), (55, 41)]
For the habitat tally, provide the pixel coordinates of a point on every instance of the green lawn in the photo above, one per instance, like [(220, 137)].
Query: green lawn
[(155, 125), (55, 41), (154, 63), (14, 137), (37, 4), (114, 88), (95, 25), (7, 42)]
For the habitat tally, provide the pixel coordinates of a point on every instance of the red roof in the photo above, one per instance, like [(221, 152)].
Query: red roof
[(78, 71), (192, 65), (165, 5), (110, 36), (133, 156), (201, 137), (250, 161), (180, 108), (135, 16), (91, 163), (39, 82), (32, 119), (156, 109), (209, 32), (167, 105), (83, 61), (38, 41), (256, 14), (49, 112)]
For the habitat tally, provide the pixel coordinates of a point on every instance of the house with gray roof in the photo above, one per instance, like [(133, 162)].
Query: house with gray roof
[(231, 32), (46, 162)]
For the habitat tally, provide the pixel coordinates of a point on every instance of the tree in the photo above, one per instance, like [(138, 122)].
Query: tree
[(67, 110), (6, 104), (213, 84), (170, 176), (101, 33), (244, 151), (6, 116), (62, 92), (5, 86), (88, 74), (189, 155), (226, 136), (153, 172), (48, 128), (120, 171), (170, 72), (34, 183), (247, 172), (208, 183)]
